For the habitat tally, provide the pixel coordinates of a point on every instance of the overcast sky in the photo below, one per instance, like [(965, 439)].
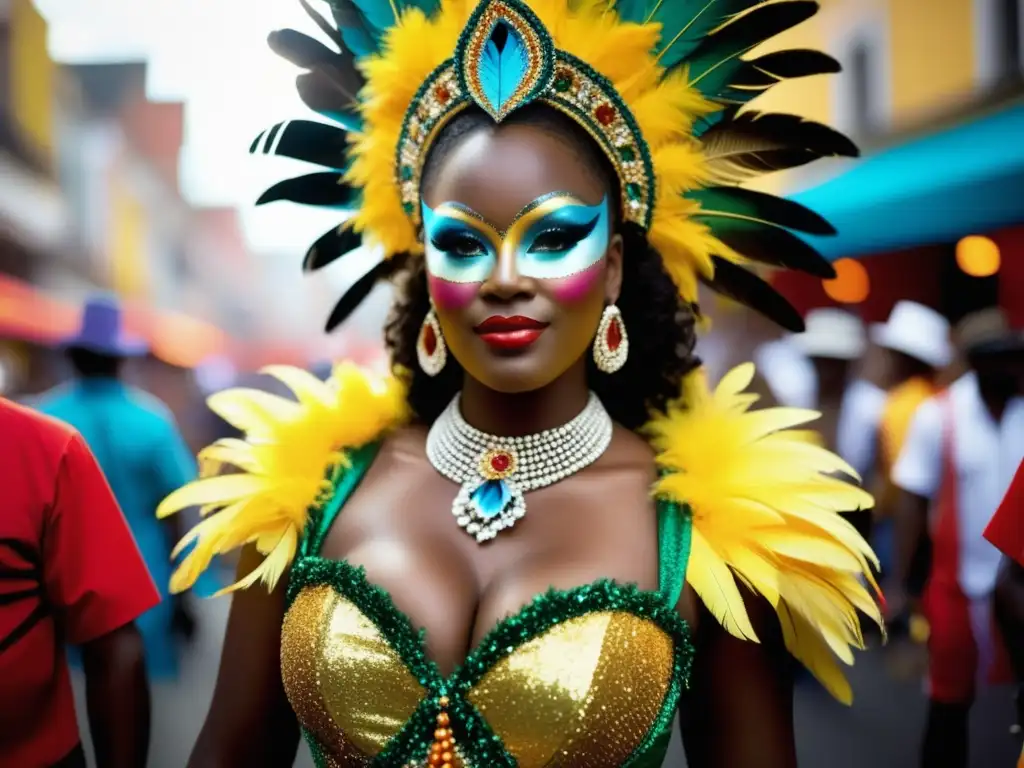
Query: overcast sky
[(211, 54)]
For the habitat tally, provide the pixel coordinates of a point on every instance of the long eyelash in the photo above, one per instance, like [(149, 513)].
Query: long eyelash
[(574, 233)]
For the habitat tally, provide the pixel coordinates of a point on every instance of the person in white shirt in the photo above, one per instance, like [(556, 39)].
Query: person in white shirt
[(915, 343), (952, 475), (898, 375)]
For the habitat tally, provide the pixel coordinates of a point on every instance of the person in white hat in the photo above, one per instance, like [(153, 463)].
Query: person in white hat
[(952, 474), (799, 369), (899, 373)]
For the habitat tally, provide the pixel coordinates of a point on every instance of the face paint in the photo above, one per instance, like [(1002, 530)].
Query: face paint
[(449, 295), (569, 290), (555, 238)]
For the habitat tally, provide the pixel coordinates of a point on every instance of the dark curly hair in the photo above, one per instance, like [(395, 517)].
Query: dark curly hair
[(661, 325)]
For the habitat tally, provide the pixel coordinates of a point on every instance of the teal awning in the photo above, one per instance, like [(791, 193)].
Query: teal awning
[(963, 180)]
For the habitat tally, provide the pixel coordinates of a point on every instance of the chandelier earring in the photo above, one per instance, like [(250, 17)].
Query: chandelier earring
[(431, 350), (611, 344)]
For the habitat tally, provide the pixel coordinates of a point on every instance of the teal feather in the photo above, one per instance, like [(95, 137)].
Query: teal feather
[(356, 32), (429, 7), (717, 61), (379, 14), (633, 10), (736, 203), (685, 23), (503, 64)]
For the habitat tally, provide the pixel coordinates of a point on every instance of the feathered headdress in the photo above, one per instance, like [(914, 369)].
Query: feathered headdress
[(658, 84)]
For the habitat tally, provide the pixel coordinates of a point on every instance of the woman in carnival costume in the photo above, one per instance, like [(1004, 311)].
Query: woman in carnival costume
[(543, 536)]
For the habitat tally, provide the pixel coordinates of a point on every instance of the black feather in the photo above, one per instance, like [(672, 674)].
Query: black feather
[(765, 71), (325, 26), (330, 92), (300, 49), (741, 146), (732, 203), (748, 289), (716, 61), (324, 188), (774, 246), (307, 141), (355, 295), (331, 246)]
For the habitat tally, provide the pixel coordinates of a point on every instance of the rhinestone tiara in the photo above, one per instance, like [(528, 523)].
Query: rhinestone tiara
[(548, 75)]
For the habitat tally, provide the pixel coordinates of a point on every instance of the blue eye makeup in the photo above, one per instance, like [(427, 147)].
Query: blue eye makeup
[(554, 237)]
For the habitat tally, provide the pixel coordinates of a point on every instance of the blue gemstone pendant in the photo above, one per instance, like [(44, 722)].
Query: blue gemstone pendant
[(486, 506)]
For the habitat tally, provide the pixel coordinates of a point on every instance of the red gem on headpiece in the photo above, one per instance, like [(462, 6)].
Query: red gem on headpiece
[(429, 339), (442, 93), (605, 114), (614, 335), (500, 462)]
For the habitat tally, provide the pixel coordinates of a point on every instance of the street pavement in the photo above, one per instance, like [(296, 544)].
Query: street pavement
[(881, 729)]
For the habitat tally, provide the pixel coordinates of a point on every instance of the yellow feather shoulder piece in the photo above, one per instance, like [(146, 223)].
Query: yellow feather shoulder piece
[(281, 466), (765, 501)]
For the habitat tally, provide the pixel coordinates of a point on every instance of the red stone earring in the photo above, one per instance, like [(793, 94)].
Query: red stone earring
[(431, 350), (611, 345)]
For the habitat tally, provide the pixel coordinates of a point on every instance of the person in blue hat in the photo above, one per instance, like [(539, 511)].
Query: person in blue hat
[(141, 451)]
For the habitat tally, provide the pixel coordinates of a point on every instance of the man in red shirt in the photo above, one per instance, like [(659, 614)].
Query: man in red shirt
[(69, 573), (1006, 532)]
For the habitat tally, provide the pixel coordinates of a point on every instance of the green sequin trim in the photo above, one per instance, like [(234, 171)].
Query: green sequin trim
[(427, 114), (636, 174)]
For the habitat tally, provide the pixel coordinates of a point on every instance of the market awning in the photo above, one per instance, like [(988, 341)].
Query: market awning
[(959, 181)]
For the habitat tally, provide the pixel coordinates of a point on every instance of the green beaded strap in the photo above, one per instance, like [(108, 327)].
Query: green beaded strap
[(345, 479), (675, 532)]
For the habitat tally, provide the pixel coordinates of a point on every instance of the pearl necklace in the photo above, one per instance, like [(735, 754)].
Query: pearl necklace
[(495, 472)]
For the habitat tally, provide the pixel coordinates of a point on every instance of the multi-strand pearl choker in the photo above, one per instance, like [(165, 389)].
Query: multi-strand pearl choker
[(495, 472)]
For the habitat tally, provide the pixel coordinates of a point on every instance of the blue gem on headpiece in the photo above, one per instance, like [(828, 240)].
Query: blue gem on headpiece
[(505, 57)]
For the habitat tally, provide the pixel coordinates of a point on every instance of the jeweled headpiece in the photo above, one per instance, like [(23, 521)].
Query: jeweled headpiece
[(659, 85)]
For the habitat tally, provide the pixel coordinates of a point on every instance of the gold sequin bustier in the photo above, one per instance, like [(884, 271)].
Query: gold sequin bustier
[(588, 677)]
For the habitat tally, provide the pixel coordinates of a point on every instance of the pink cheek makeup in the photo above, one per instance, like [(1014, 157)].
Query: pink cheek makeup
[(451, 296), (575, 288)]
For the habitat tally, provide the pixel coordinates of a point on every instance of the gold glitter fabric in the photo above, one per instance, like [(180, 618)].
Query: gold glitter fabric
[(584, 694), (344, 681)]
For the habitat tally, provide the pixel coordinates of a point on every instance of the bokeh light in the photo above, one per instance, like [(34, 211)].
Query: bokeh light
[(978, 256), (851, 284)]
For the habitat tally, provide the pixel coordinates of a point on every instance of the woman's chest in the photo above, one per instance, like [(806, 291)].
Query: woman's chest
[(456, 589), (588, 676), (546, 658)]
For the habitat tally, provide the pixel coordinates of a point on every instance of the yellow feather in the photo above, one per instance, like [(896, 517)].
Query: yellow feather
[(290, 447), (765, 512), (711, 579), (806, 644)]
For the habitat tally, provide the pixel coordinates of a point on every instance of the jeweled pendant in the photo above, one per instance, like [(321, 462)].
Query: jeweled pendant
[(483, 508)]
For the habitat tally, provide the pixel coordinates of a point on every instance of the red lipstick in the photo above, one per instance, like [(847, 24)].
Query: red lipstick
[(510, 332)]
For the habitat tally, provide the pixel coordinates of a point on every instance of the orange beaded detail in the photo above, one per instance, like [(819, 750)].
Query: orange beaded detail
[(442, 750)]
